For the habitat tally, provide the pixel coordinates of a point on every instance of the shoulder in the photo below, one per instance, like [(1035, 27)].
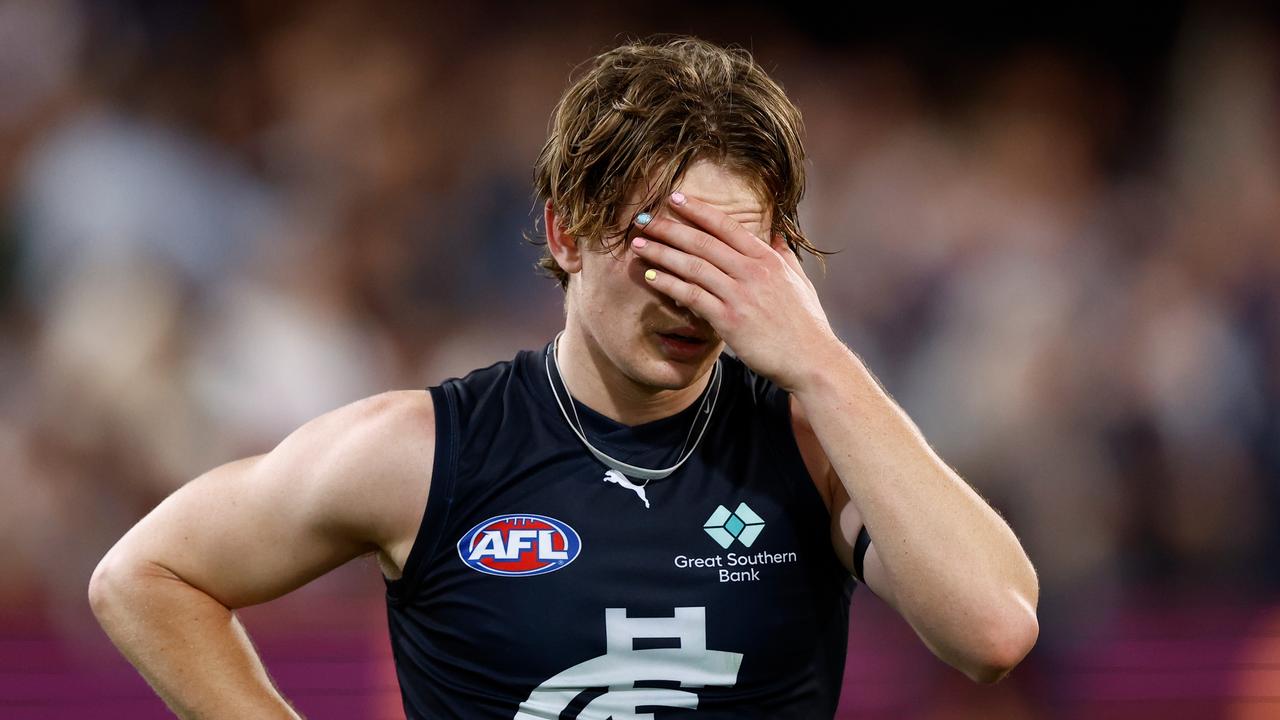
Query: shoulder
[(392, 426), (368, 464)]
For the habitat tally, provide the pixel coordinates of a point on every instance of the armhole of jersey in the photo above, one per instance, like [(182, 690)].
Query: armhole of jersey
[(860, 553), (439, 498), (792, 461)]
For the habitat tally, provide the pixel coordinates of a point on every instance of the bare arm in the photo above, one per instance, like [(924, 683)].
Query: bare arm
[(940, 556), (943, 557), (350, 482)]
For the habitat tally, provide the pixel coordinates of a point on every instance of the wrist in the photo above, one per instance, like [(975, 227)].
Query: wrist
[(824, 369)]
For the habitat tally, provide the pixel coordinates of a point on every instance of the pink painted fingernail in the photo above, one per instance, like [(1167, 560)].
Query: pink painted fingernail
[(639, 242), (677, 198)]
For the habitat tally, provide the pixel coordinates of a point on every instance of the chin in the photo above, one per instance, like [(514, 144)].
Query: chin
[(665, 376), (676, 373)]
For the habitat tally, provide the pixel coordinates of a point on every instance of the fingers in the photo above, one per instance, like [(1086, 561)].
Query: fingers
[(698, 299), (694, 241), (718, 224), (690, 268)]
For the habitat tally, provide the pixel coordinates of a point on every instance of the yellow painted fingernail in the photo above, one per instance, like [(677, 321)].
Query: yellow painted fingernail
[(650, 274)]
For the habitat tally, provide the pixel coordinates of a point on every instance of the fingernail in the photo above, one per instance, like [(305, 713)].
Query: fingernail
[(650, 274), (639, 242), (643, 218), (677, 198)]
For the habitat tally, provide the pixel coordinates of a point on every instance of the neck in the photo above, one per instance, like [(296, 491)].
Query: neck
[(595, 381)]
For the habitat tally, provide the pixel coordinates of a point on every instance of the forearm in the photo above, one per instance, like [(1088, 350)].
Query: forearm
[(193, 651), (960, 575)]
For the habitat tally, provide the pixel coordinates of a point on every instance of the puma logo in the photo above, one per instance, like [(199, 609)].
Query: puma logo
[(614, 476)]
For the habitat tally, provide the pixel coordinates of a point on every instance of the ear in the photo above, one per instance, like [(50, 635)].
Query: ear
[(564, 248)]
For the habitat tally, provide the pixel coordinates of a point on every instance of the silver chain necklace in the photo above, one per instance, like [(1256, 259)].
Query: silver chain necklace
[(705, 411)]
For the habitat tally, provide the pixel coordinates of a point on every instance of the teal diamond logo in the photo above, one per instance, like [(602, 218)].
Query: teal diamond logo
[(734, 526), (743, 524)]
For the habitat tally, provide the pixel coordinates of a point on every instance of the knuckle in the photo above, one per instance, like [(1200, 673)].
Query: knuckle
[(731, 317), (730, 225)]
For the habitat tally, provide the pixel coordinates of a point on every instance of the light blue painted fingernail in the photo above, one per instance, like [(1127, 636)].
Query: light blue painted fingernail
[(643, 219)]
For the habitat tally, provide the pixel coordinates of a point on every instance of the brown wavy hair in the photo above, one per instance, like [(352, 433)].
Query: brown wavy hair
[(646, 111)]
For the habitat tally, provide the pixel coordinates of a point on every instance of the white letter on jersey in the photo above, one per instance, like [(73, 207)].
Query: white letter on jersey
[(544, 547), (621, 667), (490, 545), (518, 540)]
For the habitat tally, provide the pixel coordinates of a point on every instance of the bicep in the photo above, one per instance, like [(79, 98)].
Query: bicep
[(254, 529)]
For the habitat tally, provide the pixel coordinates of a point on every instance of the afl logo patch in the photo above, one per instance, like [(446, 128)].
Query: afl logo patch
[(519, 545)]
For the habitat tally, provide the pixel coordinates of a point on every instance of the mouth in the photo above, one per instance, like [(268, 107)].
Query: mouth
[(684, 343), (687, 333)]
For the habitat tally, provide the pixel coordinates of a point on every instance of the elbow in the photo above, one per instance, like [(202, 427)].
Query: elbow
[(1003, 647), (104, 589), (111, 585)]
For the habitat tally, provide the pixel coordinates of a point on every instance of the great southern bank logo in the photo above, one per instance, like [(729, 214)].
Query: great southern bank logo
[(743, 524), (519, 545)]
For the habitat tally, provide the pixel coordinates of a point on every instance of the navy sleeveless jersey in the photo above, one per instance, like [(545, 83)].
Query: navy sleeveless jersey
[(541, 586)]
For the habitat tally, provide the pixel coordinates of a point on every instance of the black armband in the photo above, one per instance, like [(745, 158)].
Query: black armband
[(859, 552)]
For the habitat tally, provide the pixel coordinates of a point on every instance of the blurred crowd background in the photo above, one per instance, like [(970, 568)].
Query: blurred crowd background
[(1058, 240)]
